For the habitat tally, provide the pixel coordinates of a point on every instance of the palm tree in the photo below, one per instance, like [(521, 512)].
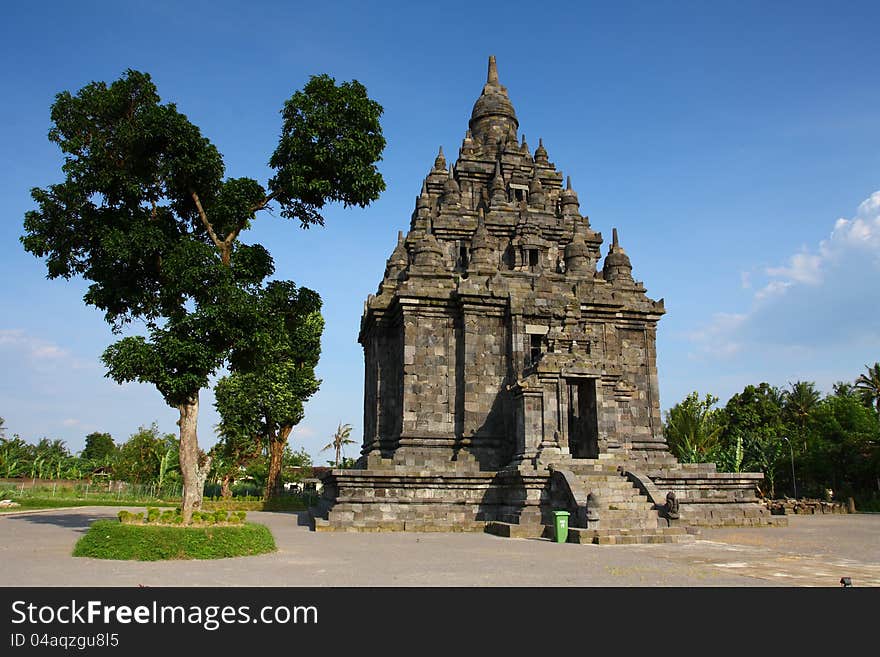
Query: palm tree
[(340, 440), (799, 402), (869, 385)]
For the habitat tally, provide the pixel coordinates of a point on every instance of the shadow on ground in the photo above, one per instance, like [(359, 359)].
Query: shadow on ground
[(79, 522)]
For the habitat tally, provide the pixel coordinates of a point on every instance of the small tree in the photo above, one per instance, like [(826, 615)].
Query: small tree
[(99, 446), (692, 428), (273, 374), (340, 440)]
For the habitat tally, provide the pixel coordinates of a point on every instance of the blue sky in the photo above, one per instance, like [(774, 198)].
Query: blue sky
[(735, 146)]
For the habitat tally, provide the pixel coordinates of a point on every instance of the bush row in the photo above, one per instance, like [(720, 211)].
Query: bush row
[(174, 517)]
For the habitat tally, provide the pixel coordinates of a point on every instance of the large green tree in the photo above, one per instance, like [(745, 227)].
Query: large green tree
[(147, 216), (272, 374), (755, 418)]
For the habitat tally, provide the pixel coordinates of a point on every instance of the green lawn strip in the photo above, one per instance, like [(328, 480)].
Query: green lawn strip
[(110, 539), (28, 503)]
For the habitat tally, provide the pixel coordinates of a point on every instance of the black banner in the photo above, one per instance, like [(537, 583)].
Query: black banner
[(169, 620)]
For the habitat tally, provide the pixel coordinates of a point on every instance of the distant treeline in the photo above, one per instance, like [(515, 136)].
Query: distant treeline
[(146, 458)]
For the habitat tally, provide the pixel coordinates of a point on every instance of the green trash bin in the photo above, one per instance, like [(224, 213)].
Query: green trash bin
[(561, 526)]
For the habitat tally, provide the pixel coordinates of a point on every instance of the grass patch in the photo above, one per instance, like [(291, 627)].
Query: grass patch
[(110, 539), (27, 503)]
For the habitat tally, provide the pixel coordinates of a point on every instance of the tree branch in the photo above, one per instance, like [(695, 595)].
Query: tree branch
[(204, 217), (262, 204)]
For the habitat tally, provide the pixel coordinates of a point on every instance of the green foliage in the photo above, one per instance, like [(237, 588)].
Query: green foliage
[(692, 428), (330, 140), (340, 440), (868, 385), (99, 447), (146, 216), (272, 375), (139, 458), (106, 539), (799, 402), (831, 442)]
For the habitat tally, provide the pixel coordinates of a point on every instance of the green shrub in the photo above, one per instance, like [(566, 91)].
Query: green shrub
[(107, 539), (220, 515), (153, 514), (241, 515), (167, 516)]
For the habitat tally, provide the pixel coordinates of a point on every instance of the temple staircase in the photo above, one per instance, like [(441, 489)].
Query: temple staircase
[(606, 507)]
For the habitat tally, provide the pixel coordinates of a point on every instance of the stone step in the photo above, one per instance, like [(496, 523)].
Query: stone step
[(636, 505)]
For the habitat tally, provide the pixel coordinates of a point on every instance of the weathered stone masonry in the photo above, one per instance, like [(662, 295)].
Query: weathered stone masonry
[(506, 373)]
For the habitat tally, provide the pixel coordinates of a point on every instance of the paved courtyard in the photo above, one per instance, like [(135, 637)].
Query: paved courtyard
[(35, 550)]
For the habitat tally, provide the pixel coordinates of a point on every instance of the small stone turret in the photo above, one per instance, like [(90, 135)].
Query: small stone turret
[(451, 191), (569, 200), (440, 161), (428, 254), (617, 267), (468, 147), (541, 153), (482, 249), (577, 255), (537, 198), (498, 186), (399, 259)]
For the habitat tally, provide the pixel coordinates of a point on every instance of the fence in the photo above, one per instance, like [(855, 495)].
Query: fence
[(103, 490)]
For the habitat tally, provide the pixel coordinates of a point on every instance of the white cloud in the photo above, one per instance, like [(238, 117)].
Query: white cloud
[(31, 346), (71, 422), (715, 338), (40, 352), (820, 298), (849, 237)]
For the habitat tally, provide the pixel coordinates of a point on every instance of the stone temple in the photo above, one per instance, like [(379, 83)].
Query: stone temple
[(510, 369)]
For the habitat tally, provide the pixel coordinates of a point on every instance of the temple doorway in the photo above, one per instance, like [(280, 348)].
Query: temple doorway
[(583, 420)]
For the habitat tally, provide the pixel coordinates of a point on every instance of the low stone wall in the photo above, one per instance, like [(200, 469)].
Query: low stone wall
[(717, 499), (805, 507)]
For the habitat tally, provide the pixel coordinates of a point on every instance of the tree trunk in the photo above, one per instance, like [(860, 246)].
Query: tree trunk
[(193, 473), (276, 454), (226, 487)]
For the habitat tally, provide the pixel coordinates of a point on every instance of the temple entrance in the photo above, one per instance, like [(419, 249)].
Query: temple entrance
[(583, 419)]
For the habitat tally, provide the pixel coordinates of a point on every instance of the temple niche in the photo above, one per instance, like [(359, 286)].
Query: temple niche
[(510, 370)]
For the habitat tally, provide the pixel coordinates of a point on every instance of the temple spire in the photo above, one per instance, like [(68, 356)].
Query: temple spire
[(492, 77), (614, 241)]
